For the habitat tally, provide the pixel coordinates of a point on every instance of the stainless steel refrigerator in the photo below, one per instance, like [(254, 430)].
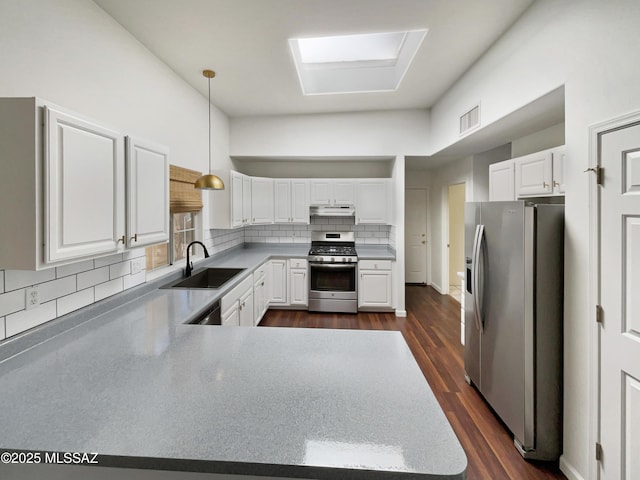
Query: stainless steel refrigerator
[(513, 318)]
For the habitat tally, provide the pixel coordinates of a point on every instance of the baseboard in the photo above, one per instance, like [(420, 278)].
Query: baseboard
[(437, 287), (401, 313), (569, 471)]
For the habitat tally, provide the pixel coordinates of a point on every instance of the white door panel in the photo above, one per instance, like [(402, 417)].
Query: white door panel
[(619, 287), (416, 236)]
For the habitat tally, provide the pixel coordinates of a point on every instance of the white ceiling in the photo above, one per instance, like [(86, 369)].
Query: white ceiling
[(245, 42)]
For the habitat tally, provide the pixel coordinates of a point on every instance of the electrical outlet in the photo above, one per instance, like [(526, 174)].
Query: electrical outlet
[(137, 265), (32, 297)]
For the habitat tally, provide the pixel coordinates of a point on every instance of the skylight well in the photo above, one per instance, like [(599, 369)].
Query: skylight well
[(371, 62)]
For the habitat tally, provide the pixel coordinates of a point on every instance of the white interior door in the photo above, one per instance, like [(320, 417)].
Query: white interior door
[(620, 301), (415, 235)]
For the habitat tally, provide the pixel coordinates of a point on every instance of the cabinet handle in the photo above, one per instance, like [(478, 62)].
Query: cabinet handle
[(262, 284), (254, 219), (134, 238), (556, 184), (545, 184), (121, 239)]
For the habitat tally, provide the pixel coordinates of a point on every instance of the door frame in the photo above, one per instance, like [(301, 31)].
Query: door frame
[(445, 232), (428, 226), (596, 131)]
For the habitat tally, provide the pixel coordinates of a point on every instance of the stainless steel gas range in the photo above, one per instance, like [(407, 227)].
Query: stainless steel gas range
[(333, 264)]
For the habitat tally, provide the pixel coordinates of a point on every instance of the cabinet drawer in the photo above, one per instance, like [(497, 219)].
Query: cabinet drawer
[(374, 264), (297, 263), (259, 272)]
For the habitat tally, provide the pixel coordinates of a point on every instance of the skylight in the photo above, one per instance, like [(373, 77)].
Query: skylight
[(371, 62), (351, 48)]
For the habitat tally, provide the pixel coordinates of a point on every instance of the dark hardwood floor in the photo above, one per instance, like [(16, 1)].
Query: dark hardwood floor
[(432, 331)]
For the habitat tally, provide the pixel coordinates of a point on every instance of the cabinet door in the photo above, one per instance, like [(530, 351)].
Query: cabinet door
[(374, 289), (231, 317), (344, 192), (321, 192), (147, 193), (502, 181), (246, 309), (300, 201), (247, 195), (559, 157), (84, 188), (278, 282), (372, 202), (299, 289), (237, 198), (261, 200), (282, 201), (259, 300), (534, 174)]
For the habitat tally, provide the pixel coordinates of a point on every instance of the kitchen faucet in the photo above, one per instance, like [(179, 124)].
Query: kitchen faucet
[(189, 268)]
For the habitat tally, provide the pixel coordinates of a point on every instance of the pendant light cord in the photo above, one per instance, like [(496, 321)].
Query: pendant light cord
[(209, 107)]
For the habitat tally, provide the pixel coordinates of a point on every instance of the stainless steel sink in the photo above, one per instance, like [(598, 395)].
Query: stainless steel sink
[(207, 278)]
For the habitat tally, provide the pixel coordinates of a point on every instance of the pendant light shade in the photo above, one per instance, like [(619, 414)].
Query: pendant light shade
[(209, 181)]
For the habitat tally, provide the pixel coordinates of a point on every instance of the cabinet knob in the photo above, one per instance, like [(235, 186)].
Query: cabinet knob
[(545, 185), (556, 184), (121, 239), (134, 238)]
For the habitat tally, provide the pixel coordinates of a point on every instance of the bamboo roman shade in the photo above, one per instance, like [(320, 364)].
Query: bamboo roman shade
[(184, 197)]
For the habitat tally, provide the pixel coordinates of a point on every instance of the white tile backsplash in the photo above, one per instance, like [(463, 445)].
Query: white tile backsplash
[(14, 279), (133, 280), (75, 301), (93, 277), (11, 302), (107, 289), (74, 268), (108, 260), (57, 288), (3, 334), (134, 253), (119, 269), (26, 319), (1, 281)]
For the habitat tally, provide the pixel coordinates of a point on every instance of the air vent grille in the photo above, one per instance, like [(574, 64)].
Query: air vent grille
[(470, 120)]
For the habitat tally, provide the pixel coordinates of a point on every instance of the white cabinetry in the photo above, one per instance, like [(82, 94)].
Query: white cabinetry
[(502, 181), (540, 174), (375, 287), (332, 192), (278, 282), (260, 292), (147, 193), (261, 200), (240, 199), (63, 191), (231, 207), (372, 201), (291, 198), (298, 283), (237, 305)]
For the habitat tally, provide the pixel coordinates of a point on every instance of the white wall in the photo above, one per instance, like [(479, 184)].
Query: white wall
[(591, 47), (548, 138), (331, 135), (397, 232), (71, 53), (314, 169)]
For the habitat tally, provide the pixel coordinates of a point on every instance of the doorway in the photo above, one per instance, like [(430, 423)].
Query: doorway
[(415, 238), (455, 244)]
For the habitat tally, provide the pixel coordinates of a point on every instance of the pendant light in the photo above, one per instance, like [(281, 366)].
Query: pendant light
[(209, 181)]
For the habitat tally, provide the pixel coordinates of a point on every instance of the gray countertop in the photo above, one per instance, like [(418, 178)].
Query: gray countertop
[(136, 384)]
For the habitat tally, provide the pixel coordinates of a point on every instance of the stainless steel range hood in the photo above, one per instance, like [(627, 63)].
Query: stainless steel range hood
[(338, 211)]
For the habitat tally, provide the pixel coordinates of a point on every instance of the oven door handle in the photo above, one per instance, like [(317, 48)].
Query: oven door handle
[(335, 266)]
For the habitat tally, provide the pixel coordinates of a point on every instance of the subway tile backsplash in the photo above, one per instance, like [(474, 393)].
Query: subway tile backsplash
[(62, 290), (365, 234)]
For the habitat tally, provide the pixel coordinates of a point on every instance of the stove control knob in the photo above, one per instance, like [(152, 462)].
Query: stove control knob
[(344, 259), (333, 259)]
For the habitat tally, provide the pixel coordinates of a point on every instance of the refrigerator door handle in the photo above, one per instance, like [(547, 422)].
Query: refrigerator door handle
[(476, 277)]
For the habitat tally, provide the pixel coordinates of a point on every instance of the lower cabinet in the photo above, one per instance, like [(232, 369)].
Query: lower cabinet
[(237, 305), (288, 283), (375, 284), (260, 293)]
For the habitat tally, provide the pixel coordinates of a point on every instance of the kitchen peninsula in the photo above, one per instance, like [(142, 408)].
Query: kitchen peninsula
[(147, 392)]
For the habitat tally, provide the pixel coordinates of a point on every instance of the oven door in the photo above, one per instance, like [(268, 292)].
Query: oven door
[(334, 278)]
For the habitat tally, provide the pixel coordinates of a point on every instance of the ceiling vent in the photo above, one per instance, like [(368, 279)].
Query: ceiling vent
[(470, 120)]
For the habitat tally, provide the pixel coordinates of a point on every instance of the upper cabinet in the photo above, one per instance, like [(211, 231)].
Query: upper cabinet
[(372, 202), (66, 197), (332, 192), (291, 201), (539, 174), (502, 181), (261, 200), (231, 207), (147, 192)]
